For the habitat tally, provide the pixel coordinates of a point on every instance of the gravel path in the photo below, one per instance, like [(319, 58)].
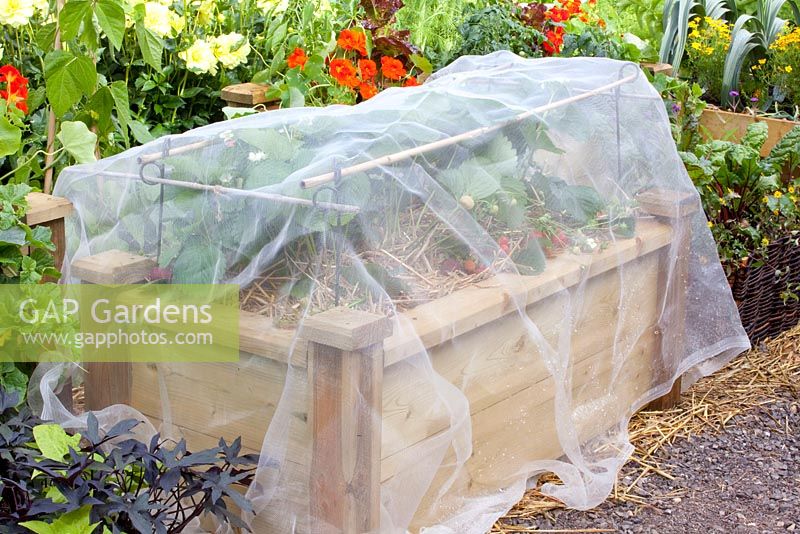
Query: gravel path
[(744, 480)]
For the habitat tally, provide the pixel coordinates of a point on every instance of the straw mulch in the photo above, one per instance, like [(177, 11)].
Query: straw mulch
[(752, 380)]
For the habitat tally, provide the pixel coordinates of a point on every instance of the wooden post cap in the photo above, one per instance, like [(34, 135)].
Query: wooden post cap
[(657, 68), (45, 208), (113, 267), (246, 94), (667, 203), (346, 329)]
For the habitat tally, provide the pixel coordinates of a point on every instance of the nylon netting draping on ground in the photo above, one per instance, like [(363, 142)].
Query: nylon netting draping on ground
[(445, 290)]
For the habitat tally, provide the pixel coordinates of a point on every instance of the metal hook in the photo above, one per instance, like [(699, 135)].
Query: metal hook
[(335, 193)]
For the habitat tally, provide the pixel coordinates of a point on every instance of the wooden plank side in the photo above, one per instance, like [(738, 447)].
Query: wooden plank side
[(232, 399), (448, 317), (509, 436), (731, 126), (496, 360)]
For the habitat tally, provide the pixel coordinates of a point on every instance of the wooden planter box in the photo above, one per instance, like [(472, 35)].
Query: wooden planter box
[(352, 366), (732, 126)]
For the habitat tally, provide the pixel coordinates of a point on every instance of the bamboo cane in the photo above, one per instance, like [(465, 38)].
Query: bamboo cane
[(472, 134), (51, 121)]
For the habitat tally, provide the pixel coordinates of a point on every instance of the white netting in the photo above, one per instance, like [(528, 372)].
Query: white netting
[(526, 225)]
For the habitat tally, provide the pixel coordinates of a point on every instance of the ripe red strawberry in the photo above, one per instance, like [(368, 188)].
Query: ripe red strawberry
[(470, 267)]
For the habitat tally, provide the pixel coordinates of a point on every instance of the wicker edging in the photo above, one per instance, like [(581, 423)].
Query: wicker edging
[(759, 291)]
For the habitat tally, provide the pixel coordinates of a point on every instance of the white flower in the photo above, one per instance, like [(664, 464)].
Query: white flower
[(256, 156), (205, 10), (324, 5), (16, 13), (157, 19), (200, 58), (276, 6), (231, 49), (42, 6)]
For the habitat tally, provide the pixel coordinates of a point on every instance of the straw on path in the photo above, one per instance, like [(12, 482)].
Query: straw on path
[(751, 381)]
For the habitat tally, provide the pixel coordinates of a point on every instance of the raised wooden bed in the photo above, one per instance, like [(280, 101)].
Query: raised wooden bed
[(727, 125), (352, 365)]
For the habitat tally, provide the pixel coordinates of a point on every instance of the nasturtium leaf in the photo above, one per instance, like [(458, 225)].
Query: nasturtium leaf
[(150, 45), (78, 141), (72, 14), (422, 63), (10, 137), (68, 77), (111, 17), (54, 442)]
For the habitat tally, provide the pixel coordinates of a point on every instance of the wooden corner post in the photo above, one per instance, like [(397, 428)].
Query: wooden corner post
[(110, 383), (676, 208), (345, 367)]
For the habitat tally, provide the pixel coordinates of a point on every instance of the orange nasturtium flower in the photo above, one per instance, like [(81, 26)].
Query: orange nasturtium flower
[(368, 69), (297, 58), (392, 68), (411, 82), (367, 90), (16, 91), (344, 72), (353, 40)]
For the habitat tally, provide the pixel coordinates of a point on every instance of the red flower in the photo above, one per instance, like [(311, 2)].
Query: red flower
[(297, 58), (411, 82), (392, 68), (368, 69), (557, 14), (367, 90), (15, 80), (16, 90), (16, 99), (344, 72), (554, 40), (353, 40)]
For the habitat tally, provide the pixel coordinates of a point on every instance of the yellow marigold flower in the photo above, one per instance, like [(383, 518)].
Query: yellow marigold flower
[(710, 224), (777, 194), (762, 61), (765, 200), (776, 211), (788, 68), (764, 241), (16, 13), (790, 189), (695, 45)]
